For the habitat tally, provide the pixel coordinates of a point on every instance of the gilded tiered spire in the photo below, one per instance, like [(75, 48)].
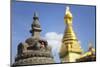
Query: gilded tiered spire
[(68, 16), (69, 33), (70, 48)]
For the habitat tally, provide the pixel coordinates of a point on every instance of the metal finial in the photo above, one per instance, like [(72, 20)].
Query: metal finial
[(68, 8)]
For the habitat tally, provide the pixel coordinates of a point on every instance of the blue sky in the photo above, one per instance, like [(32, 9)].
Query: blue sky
[(51, 17)]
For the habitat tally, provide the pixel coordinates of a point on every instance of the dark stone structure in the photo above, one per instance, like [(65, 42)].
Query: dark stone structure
[(34, 50)]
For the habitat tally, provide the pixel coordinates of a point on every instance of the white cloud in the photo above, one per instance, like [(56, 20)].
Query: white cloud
[(54, 40)]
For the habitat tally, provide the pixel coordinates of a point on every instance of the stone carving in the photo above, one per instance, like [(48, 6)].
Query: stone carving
[(34, 50)]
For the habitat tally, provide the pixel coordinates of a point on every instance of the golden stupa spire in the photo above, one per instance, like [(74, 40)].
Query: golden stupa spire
[(69, 29), (90, 47), (68, 16), (70, 48)]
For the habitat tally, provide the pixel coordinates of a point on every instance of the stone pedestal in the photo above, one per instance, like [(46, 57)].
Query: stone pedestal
[(33, 52)]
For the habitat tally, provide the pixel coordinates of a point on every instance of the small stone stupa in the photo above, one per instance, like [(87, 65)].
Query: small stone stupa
[(34, 50)]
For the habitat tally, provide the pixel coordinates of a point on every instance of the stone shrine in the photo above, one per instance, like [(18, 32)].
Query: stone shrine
[(34, 50)]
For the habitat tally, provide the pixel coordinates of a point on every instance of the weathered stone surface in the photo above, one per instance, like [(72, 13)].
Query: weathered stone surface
[(34, 50), (34, 60)]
